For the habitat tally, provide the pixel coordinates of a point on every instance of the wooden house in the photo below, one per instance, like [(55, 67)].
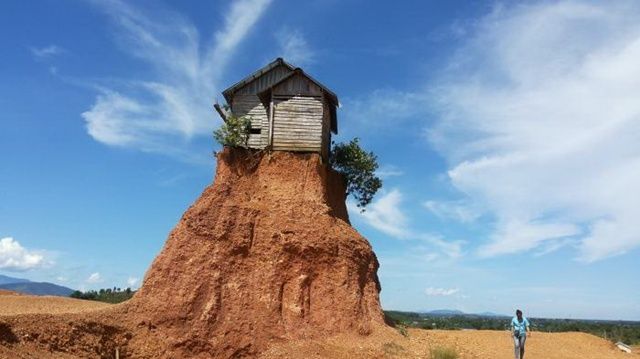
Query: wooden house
[(289, 110)]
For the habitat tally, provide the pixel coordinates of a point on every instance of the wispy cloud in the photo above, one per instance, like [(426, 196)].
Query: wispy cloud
[(386, 171), (294, 47), (132, 281), (456, 210), (94, 278), (14, 257), (450, 249), (539, 118), (383, 108), (164, 114), (386, 214), (440, 292), (47, 51)]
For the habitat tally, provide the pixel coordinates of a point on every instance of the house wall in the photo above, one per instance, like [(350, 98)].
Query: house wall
[(301, 115), (250, 105), (298, 115), (297, 123), (326, 130), (246, 103)]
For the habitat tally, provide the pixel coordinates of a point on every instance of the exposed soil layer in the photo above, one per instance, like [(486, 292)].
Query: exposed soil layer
[(60, 336), (265, 255)]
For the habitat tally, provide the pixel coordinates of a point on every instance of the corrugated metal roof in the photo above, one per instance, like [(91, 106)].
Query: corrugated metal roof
[(299, 71), (228, 93)]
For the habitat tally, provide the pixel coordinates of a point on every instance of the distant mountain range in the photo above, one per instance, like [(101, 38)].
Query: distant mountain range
[(6, 280), (34, 288), (454, 312)]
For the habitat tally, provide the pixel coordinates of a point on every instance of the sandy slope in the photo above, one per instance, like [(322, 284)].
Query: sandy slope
[(12, 303)]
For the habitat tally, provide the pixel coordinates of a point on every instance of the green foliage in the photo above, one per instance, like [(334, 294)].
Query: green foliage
[(443, 353), (625, 331), (108, 295), (234, 132), (358, 168), (402, 329)]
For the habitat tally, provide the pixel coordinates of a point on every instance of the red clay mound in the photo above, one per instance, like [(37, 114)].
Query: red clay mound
[(265, 254)]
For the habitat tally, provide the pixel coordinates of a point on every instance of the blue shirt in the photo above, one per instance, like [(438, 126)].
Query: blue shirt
[(520, 327)]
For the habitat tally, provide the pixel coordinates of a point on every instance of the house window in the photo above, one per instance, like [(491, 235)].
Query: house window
[(255, 131)]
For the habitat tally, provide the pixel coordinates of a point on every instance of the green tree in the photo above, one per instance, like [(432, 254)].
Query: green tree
[(234, 132), (108, 295), (358, 168)]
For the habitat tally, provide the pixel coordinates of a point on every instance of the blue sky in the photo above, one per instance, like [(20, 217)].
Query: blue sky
[(507, 135)]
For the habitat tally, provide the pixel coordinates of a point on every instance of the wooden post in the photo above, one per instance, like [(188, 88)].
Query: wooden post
[(270, 143), (117, 353)]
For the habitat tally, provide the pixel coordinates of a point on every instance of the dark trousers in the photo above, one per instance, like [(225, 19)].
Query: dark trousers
[(519, 346)]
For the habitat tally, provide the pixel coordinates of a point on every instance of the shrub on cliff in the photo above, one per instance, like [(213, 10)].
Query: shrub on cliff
[(234, 132), (358, 168)]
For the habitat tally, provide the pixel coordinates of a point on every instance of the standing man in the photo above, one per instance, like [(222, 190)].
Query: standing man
[(519, 329)]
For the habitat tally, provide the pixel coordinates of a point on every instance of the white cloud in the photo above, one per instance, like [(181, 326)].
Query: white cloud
[(47, 51), (14, 257), (382, 108), (441, 292), (389, 171), (294, 47), (163, 114), (540, 121), (94, 278), (385, 214), (515, 236), (552, 246), (132, 281), (450, 249), (457, 210)]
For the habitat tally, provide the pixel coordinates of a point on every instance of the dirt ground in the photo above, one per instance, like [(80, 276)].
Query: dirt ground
[(481, 344), (12, 303), (384, 342)]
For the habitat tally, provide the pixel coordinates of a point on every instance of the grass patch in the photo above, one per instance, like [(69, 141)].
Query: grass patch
[(392, 349), (403, 330), (443, 353)]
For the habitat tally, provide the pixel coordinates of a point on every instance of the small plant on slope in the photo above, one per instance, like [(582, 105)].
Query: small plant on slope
[(443, 353), (234, 132), (358, 168)]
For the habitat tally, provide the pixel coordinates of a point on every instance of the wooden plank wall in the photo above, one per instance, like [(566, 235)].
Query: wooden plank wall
[(250, 105), (298, 123)]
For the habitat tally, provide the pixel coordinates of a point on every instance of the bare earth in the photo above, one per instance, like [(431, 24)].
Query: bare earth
[(12, 303), (481, 344), (384, 342)]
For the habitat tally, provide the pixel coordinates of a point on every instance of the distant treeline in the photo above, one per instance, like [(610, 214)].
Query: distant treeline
[(624, 331), (108, 295)]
